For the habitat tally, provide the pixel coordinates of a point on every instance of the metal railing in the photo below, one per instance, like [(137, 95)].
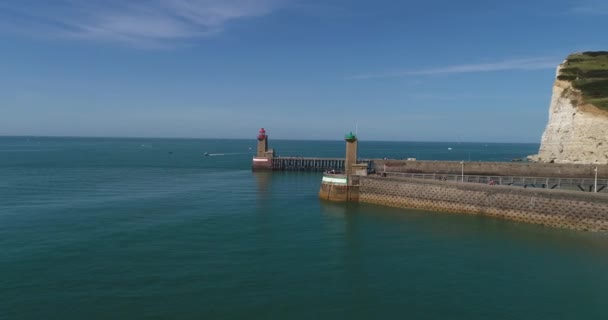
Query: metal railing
[(582, 184), (311, 164)]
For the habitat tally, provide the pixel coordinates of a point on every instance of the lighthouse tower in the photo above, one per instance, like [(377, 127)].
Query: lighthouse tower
[(263, 157), (262, 143), (351, 153), (344, 186)]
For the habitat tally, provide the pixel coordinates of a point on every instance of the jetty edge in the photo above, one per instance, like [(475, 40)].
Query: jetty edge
[(566, 196)]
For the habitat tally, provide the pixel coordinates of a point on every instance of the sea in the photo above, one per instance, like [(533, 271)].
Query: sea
[(138, 228)]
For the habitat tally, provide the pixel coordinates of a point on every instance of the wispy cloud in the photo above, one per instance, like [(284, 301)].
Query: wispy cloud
[(465, 96), (505, 65), (591, 7), (152, 22)]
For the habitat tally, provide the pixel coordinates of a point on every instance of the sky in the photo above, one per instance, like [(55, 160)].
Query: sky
[(433, 70)]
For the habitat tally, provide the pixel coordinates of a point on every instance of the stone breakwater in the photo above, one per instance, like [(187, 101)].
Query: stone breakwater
[(556, 208)]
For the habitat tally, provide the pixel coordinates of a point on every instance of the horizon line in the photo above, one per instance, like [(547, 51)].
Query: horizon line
[(275, 139)]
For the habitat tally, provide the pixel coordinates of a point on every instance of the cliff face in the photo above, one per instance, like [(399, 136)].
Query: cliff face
[(577, 131)]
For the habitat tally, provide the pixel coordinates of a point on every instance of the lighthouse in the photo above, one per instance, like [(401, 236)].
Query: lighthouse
[(262, 143), (344, 186), (263, 157), (351, 153)]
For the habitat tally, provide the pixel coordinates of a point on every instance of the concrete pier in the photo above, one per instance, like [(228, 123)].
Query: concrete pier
[(344, 186), (555, 208), (339, 187), (527, 192), (265, 160), (314, 164)]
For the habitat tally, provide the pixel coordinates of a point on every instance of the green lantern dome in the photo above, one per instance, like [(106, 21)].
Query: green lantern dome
[(350, 137)]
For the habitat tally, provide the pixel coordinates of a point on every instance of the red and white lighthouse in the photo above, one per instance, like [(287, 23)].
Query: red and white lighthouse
[(262, 134), (263, 156)]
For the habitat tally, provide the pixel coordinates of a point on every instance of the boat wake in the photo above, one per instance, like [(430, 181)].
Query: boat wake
[(225, 154)]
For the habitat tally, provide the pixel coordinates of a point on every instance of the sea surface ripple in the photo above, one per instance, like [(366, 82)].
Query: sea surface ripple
[(98, 228)]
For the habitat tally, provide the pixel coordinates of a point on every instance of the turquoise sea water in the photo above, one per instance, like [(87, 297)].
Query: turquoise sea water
[(151, 229)]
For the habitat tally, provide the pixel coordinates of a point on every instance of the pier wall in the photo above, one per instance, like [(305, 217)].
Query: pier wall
[(339, 187), (339, 193), (556, 208), (522, 169)]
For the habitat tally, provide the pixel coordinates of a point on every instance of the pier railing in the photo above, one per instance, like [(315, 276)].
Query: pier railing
[(311, 164), (582, 184)]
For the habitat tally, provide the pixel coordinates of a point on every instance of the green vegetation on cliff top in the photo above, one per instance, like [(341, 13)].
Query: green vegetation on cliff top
[(588, 72)]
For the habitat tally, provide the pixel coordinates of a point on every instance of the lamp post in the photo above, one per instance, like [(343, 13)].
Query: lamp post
[(595, 181), (462, 171)]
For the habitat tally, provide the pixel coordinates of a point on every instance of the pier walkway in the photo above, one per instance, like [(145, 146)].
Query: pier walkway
[(311, 164), (582, 184)]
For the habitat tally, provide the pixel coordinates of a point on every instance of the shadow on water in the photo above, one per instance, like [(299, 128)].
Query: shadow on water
[(263, 183), (457, 226)]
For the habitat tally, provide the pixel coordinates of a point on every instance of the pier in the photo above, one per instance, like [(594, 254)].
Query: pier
[(313, 164), (575, 177), (266, 160), (560, 195), (582, 184)]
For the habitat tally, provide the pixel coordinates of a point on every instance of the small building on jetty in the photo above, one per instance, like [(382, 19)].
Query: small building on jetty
[(559, 195)]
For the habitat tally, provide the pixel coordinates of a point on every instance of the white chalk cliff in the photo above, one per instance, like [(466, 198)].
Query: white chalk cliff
[(576, 132)]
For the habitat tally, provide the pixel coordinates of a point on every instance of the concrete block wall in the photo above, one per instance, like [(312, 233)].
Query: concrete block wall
[(556, 208), (339, 193), (262, 165)]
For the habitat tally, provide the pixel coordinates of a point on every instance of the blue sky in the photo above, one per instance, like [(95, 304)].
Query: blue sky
[(435, 70)]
